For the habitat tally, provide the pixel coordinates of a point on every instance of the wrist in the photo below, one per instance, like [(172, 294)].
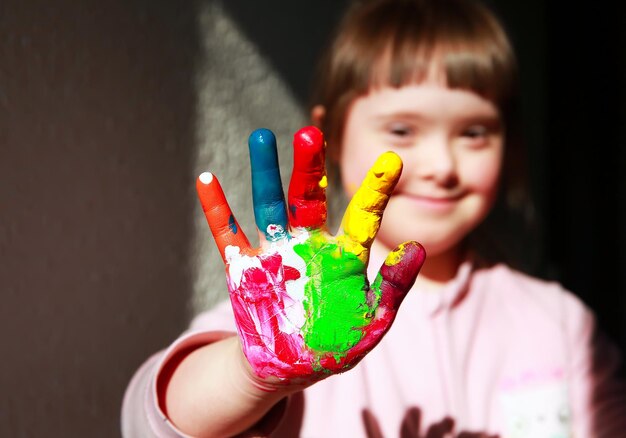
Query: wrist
[(214, 392), (248, 381)]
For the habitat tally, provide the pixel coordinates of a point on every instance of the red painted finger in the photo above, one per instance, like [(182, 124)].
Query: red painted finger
[(224, 226), (307, 189), (393, 282)]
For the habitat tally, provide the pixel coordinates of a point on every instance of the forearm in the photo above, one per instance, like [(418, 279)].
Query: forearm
[(213, 392)]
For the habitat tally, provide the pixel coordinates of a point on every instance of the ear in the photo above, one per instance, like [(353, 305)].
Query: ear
[(318, 112)]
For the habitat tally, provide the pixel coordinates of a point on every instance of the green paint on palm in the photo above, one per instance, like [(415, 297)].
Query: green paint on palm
[(335, 296)]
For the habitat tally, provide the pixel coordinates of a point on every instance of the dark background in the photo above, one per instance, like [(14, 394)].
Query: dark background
[(97, 106)]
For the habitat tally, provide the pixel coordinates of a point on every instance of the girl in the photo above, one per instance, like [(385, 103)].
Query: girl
[(476, 349)]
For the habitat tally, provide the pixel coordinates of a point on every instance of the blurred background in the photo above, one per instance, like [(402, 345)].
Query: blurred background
[(109, 110)]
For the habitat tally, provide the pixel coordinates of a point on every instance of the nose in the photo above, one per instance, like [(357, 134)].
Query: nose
[(435, 161)]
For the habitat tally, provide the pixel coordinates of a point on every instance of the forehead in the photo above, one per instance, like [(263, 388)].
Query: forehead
[(437, 66), (431, 99)]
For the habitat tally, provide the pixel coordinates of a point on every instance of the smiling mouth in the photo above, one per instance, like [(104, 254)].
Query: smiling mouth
[(433, 198), (433, 202), (436, 198)]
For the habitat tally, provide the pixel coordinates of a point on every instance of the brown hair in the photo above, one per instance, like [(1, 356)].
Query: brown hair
[(400, 42)]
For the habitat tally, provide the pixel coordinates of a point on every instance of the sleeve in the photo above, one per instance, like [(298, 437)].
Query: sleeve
[(143, 413), (142, 408), (597, 393)]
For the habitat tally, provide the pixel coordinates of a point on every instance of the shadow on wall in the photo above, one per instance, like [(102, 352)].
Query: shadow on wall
[(290, 35), (96, 197)]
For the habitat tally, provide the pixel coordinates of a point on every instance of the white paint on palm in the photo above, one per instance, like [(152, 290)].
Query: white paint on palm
[(293, 317)]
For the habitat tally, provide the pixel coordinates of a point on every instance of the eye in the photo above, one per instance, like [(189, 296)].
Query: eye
[(475, 131), (399, 134), (400, 130), (475, 136)]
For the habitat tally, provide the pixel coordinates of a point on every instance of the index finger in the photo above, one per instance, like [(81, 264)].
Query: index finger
[(307, 189), (364, 213)]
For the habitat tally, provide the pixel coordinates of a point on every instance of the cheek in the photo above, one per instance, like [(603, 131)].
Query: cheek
[(354, 164), (358, 150), (352, 174), (482, 175)]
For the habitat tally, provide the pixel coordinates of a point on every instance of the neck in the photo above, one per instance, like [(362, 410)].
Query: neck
[(438, 269)]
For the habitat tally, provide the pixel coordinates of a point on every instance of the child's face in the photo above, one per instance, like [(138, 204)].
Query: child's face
[(451, 143)]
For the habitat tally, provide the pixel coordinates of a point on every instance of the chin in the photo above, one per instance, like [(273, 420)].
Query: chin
[(435, 241), (434, 249)]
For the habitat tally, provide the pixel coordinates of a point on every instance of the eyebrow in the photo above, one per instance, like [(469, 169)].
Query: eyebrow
[(490, 119), (412, 115)]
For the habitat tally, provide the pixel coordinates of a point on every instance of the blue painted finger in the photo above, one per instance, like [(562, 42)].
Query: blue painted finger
[(267, 190)]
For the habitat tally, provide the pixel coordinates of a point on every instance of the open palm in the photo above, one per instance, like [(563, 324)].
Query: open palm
[(302, 302)]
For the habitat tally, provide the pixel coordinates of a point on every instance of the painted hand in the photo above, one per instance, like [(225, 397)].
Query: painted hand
[(302, 302)]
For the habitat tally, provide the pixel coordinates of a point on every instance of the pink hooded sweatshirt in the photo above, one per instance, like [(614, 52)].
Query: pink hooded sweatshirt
[(495, 351)]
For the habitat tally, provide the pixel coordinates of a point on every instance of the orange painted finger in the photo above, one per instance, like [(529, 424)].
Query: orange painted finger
[(307, 189), (224, 226)]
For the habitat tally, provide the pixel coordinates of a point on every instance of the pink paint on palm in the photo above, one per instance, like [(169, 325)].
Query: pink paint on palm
[(266, 295)]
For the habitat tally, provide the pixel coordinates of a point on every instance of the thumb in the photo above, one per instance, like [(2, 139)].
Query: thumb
[(397, 275)]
